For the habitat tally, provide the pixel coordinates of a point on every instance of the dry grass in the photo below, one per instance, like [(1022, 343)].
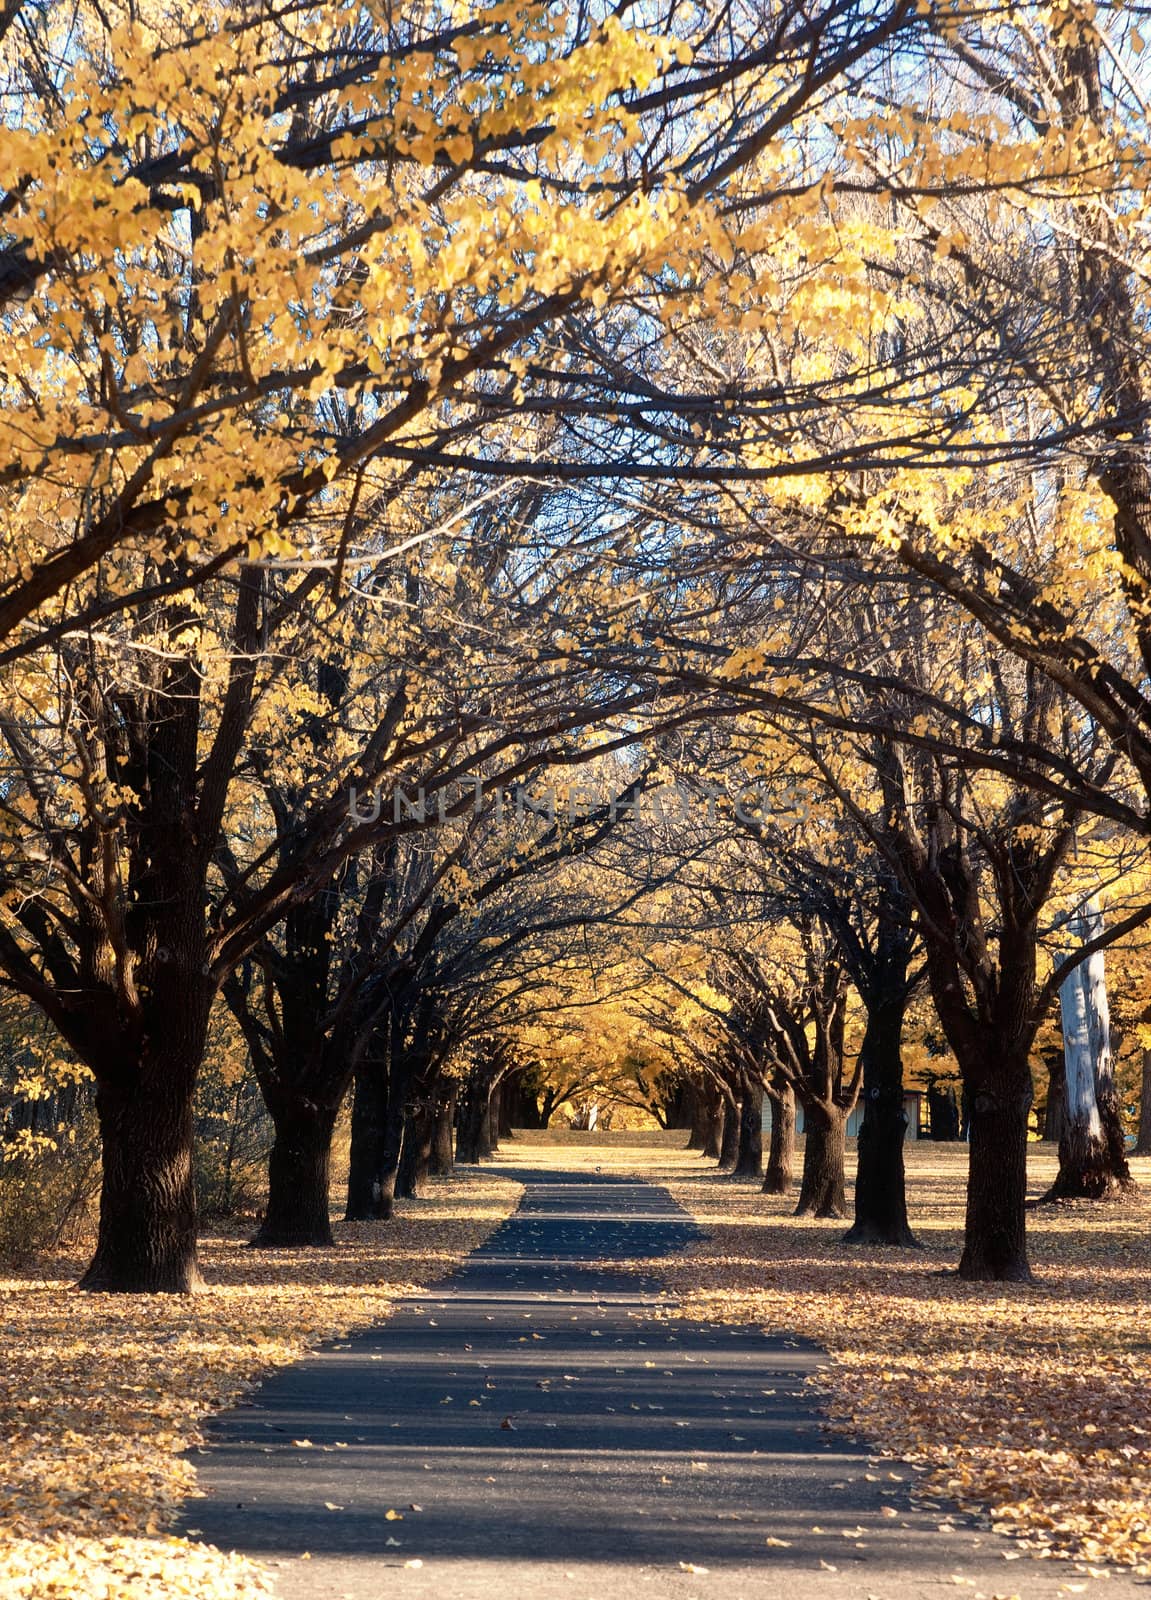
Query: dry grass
[(101, 1394)]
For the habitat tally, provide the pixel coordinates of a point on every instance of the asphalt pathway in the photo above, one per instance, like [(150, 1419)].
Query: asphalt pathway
[(538, 1426)]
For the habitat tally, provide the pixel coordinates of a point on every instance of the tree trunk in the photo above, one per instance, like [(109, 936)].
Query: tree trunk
[(700, 1117), (472, 1143), (395, 1127), (1054, 1113), (823, 1189), (1143, 1142), (493, 1121), (369, 1119), (416, 1154), (880, 1184), (713, 1136), (443, 1155), (749, 1159), (1092, 1158), (995, 1238), (299, 1171), (942, 1114), (729, 1144), (781, 1151), (147, 1237)]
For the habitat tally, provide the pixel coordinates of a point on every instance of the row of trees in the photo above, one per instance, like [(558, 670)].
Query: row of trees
[(399, 412)]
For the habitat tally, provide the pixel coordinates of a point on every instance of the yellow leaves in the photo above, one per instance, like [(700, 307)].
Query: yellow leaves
[(746, 662), (270, 244)]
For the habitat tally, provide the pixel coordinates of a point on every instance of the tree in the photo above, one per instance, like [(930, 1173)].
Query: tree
[(1092, 1159), (296, 264)]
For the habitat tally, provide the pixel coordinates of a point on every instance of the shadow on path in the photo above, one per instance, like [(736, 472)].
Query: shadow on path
[(559, 1433)]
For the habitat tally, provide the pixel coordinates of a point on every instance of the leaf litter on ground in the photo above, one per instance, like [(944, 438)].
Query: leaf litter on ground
[(101, 1395)]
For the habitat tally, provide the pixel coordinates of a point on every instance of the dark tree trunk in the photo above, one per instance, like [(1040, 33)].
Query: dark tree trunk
[(678, 1109), (942, 1114), (781, 1150), (880, 1184), (700, 1117), (823, 1189), (716, 1116), (1055, 1112), (376, 1164), (729, 1144), (1111, 1116), (416, 1153), (995, 1240), (369, 1121), (443, 1140), (472, 1140), (299, 1178), (521, 1104), (493, 1122), (503, 1117), (749, 1159), (395, 1126), (1143, 1141), (147, 1235)]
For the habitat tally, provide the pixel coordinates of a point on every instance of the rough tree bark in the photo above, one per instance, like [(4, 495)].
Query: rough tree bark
[(416, 1152), (503, 1116), (749, 1156), (942, 1114), (147, 1233), (395, 1124), (823, 1186), (473, 1142), (135, 998), (1055, 1110), (495, 1102), (781, 1149), (697, 1105), (880, 1188), (299, 1177), (995, 1231), (369, 1119), (443, 1144), (729, 1141), (713, 1133)]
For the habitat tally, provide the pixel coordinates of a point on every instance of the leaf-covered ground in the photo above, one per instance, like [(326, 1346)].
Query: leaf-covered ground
[(1031, 1404), (101, 1394)]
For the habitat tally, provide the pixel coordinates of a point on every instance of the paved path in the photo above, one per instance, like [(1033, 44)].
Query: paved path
[(542, 1433)]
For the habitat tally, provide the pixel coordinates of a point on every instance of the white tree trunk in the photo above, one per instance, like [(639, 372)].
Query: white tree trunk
[(1091, 1158), (1086, 1029)]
